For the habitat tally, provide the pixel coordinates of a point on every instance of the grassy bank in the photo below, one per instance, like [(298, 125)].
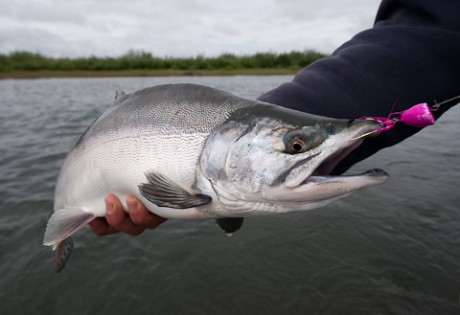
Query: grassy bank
[(137, 73), (32, 65)]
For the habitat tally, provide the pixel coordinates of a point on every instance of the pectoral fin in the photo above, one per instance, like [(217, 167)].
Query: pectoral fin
[(230, 225), (163, 192)]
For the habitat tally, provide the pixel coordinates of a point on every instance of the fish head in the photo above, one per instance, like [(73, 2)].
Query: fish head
[(272, 159)]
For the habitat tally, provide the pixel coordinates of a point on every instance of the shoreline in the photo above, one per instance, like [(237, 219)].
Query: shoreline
[(40, 74)]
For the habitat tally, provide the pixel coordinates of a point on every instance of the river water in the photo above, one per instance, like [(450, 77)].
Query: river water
[(391, 249)]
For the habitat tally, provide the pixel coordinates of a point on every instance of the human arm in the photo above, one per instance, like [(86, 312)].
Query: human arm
[(409, 56)]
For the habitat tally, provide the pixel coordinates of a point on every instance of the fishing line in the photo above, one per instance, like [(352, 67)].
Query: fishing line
[(419, 115)]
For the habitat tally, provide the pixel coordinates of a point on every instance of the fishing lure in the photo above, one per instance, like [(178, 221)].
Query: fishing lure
[(419, 115)]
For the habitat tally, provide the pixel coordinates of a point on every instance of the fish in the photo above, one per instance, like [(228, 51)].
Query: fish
[(189, 151)]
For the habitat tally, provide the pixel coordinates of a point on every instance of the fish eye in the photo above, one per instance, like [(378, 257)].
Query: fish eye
[(297, 146), (301, 140), (297, 142)]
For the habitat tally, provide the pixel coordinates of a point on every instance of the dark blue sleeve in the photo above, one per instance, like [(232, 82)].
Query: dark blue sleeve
[(411, 55)]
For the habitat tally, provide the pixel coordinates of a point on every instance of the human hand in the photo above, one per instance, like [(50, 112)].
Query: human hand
[(133, 222)]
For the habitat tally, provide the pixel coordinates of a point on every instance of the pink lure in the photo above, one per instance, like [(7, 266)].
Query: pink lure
[(419, 115)]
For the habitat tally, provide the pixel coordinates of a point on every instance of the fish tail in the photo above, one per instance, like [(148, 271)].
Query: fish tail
[(61, 225), (62, 253)]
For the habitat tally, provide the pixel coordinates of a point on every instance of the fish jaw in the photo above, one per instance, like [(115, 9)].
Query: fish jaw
[(332, 151), (320, 190), (311, 183)]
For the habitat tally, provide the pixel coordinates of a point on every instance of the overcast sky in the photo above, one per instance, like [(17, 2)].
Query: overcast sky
[(180, 27)]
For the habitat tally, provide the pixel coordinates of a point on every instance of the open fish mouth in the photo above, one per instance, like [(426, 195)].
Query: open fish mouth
[(318, 185), (328, 165)]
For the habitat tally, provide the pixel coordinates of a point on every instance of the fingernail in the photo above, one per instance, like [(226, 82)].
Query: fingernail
[(109, 207), (132, 206)]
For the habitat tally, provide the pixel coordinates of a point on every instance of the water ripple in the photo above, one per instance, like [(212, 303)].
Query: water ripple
[(394, 249)]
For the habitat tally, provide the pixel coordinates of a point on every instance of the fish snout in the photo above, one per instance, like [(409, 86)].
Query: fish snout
[(363, 127)]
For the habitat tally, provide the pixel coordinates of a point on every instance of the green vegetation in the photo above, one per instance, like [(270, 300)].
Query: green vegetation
[(22, 61)]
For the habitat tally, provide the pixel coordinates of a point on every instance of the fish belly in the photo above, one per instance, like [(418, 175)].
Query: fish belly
[(119, 165)]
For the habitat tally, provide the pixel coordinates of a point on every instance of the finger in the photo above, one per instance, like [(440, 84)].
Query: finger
[(114, 212), (100, 227), (141, 216), (118, 218)]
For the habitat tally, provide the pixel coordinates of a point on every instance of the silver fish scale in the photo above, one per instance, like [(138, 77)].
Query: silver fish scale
[(179, 108)]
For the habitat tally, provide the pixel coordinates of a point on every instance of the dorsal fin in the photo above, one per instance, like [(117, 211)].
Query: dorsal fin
[(119, 93)]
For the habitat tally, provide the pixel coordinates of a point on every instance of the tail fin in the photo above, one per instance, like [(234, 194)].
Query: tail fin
[(62, 253), (61, 225)]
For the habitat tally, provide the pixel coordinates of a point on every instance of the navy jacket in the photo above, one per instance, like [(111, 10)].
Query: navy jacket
[(411, 55)]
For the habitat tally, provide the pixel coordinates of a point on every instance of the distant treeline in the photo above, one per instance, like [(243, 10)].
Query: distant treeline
[(140, 60)]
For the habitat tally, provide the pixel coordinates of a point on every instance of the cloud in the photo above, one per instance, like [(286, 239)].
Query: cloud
[(179, 27)]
